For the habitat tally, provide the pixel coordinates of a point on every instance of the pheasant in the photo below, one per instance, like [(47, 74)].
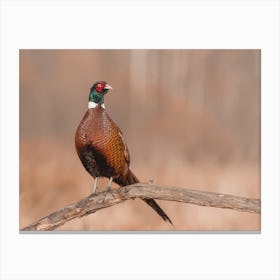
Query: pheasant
[(101, 146)]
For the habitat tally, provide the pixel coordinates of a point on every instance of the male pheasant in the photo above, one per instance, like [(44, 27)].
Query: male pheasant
[(101, 146)]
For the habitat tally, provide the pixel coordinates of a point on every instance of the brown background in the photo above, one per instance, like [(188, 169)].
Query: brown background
[(191, 118)]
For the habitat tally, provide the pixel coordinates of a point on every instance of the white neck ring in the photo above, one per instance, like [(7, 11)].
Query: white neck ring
[(92, 105)]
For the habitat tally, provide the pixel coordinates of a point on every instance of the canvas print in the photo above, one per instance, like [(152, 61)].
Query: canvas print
[(140, 140)]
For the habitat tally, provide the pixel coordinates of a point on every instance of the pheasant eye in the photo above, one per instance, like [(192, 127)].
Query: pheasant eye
[(99, 87)]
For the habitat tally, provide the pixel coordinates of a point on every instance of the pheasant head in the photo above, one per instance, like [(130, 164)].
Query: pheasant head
[(97, 92)]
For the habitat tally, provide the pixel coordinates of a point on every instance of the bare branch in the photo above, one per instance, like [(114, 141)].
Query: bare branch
[(95, 202)]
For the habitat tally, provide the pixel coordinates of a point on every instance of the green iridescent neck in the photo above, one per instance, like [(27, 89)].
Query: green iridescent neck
[(95, 97)]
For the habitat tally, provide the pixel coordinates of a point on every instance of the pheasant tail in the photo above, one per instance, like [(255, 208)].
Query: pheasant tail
[(132, 179)]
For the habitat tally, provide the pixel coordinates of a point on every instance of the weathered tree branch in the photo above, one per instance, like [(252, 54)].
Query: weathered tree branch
[(95, 202)]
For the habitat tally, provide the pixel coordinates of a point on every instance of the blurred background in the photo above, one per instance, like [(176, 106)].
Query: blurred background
[(191, 119)]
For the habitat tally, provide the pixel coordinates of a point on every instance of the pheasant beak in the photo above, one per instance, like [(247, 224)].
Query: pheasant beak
[(108, 87)]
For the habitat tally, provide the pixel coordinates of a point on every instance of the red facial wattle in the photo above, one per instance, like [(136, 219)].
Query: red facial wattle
[(99, 87)]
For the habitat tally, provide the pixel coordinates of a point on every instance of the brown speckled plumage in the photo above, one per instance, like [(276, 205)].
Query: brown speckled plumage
[(100, 146)]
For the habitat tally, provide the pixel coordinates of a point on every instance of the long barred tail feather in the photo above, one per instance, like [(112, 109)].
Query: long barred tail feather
[(132, 179), (156, 207)]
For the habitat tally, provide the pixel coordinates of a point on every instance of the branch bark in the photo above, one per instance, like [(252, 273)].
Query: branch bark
[(95, 202)]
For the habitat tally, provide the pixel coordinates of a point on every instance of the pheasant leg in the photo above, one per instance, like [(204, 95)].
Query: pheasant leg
[(95, 184), (108, 187)]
